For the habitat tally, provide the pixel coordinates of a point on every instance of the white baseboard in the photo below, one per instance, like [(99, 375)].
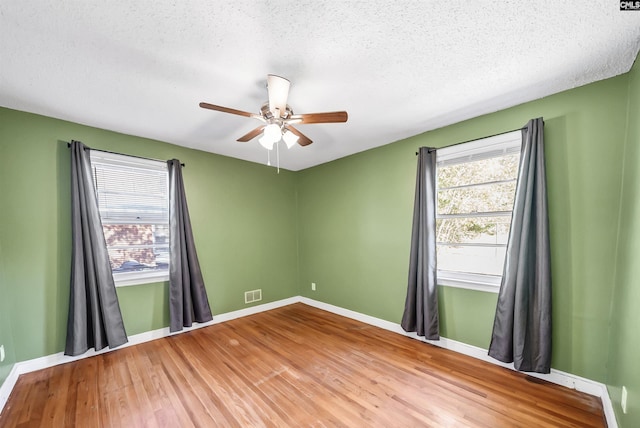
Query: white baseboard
[(607, 406), (7, 386), (556, 376)]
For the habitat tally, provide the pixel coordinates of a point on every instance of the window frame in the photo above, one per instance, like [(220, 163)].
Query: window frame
[(476, 150), (124, 279)]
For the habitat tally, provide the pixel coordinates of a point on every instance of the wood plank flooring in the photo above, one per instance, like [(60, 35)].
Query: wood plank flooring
[(293, 366)]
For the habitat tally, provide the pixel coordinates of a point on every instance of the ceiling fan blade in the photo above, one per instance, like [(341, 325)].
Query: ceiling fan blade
[(278, 90), (227, 110), (329, 117), (251, 134), (303, 140)]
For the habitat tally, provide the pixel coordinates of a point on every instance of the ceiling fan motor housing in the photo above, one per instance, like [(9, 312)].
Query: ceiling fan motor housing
[(278, 91), (266, 113)]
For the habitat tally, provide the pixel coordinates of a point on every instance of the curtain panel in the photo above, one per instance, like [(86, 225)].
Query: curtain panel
[(522, 325), (188, 300), (94, 319), (421, 304)]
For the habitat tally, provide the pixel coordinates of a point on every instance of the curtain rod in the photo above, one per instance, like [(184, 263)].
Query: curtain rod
[(481, 138), (122, 154)]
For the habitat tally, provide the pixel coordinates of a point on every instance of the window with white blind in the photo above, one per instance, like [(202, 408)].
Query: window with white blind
[(133, 199), (476, 184)]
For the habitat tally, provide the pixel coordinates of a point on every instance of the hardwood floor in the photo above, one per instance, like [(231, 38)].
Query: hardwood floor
[(292, 366)]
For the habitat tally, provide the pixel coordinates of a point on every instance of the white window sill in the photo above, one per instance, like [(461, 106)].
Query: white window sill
[(470, 284), (126, 279)]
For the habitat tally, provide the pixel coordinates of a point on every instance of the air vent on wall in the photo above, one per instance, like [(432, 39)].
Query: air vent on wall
[(252, 296)]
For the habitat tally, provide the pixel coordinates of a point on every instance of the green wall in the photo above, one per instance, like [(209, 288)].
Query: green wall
[(355, 220), (243, 216), (625, 318)]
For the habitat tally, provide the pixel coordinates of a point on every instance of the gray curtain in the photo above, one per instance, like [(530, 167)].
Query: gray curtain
[(187, 295), (522, 325), (94, 319), (421, 305)]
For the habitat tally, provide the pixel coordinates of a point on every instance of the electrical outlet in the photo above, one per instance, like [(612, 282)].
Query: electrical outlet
[(623, 400), (2, 353), (313, 286)]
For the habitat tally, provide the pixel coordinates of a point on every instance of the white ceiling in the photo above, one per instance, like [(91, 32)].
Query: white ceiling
[(398, 67)]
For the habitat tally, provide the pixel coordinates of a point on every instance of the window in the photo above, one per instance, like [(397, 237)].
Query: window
[(133, 199), (476, 184)]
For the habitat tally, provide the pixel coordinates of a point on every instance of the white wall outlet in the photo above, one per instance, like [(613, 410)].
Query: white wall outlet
[(313, 286), (623, 400), (2, 353)]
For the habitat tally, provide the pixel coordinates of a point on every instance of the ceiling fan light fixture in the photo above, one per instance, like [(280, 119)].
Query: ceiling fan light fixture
[(272, 132), (270, 136), (266, 142), (289, 138), (278, 89)]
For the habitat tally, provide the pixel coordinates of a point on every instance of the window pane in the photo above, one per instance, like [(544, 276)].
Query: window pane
[(476, 184), (477, 199), (137, 247), (482, 171), (132, 196), (483, 260), (479, 230)]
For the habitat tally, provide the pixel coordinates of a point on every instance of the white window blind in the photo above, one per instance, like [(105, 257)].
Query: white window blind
[(130, 190)]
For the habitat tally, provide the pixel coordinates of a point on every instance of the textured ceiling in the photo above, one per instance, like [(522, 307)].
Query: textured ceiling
[(398, 67)]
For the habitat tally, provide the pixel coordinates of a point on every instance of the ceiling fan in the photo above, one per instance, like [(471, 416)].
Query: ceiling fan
[(278, 118)]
